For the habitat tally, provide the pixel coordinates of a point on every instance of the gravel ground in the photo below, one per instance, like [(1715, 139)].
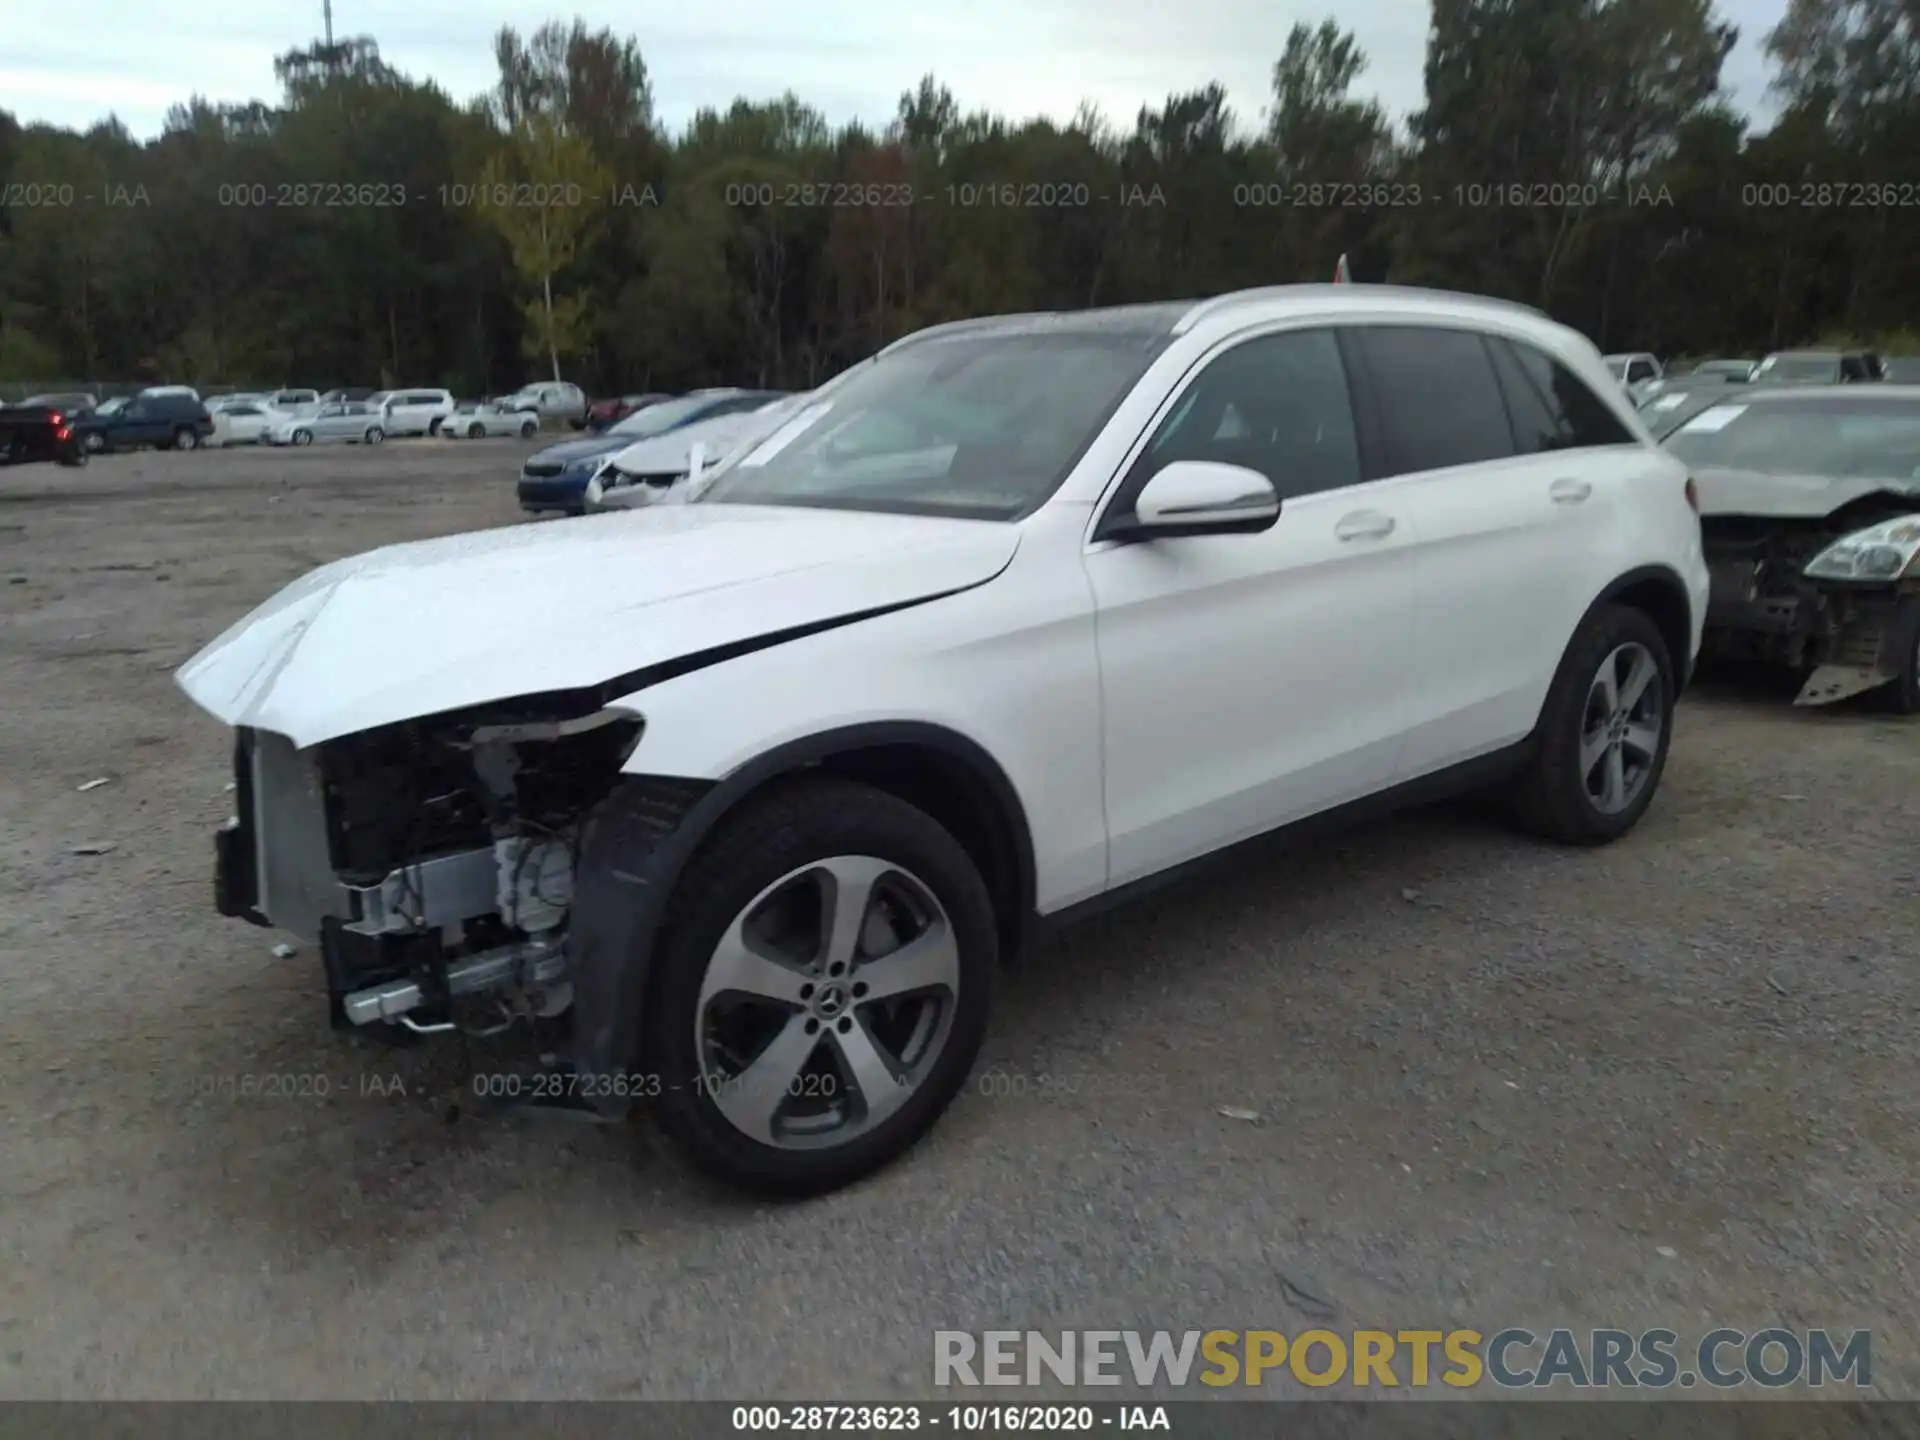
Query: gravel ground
[(1672, 1082)]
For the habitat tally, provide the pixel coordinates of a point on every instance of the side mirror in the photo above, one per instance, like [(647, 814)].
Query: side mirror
[(1203, 497)]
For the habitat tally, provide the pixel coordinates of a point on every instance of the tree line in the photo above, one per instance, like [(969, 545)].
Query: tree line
[(1578, 155)]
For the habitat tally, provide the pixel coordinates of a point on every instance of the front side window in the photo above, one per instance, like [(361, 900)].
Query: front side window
[(982, 426), (1552, 408), (1438, 397), (1278, 404)]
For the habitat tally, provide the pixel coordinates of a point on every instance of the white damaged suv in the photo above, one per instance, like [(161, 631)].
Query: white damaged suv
[(755, 792)]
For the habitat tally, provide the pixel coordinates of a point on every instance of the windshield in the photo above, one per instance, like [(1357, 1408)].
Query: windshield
[(658, 419), (1796, 367), (984, 427), (113, 406), (1855, 441)]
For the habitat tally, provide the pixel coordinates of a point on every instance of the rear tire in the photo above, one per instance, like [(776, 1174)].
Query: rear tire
[(303, 437), (1591, 777), (529, 430), (375, 435), (185, 439), (797, 841)]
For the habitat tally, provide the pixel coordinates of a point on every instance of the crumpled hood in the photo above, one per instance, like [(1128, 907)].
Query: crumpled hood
[(1788, 497), (672, 452), (416, 629)]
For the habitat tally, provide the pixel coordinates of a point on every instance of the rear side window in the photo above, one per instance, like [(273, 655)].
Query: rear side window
[(1437, 396), (1639, 370), (1552, 408)]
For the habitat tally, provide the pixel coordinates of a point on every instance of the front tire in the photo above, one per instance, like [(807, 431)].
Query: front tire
[(821, 987), (303, 437), (95, 444), (1604, 733), (529, 430), (184, 439), (375, 435), (1903, 696)]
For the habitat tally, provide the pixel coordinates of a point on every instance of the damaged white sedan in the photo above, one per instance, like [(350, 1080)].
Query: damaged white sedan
[(1810, 504), (749, 795)]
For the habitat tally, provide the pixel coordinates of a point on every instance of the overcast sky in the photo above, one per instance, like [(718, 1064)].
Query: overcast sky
[(849, 58)]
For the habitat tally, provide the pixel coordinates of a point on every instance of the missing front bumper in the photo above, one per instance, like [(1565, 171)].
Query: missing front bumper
[(1863, 649)]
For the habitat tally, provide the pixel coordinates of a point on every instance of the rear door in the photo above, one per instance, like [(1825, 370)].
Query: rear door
[(143, 422), (1251, 680), (1513, 466)]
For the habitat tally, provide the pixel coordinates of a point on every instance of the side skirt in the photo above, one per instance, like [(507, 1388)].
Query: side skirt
[(1482, 772)]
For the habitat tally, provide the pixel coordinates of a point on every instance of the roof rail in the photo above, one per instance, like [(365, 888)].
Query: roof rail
[(961, 327), (1218, 303)]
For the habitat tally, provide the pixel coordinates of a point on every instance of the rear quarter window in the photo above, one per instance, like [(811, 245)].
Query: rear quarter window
[(1552, 408)]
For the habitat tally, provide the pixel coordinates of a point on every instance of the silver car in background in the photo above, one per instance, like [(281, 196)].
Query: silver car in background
[(353, 424), (649, 471)]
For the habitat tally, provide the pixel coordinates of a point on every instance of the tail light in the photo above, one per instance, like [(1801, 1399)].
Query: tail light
[(63, 433), (59, 419)]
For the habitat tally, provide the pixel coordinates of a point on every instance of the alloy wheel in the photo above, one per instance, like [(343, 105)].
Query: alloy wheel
[(827, 1002), (1620, 732)]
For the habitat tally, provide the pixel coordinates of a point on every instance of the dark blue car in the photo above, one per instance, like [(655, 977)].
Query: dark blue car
[(555, 479)]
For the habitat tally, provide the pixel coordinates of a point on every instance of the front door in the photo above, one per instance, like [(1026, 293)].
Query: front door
[(1251, 680)]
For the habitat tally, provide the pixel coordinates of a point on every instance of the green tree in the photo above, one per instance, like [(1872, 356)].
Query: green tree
[(544, 192)]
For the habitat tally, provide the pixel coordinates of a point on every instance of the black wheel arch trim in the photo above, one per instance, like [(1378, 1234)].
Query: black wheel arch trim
[(1669, 579), (620, 898)]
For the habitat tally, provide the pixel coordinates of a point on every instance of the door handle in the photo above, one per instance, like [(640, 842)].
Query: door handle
[(1570, 492), (1363, 525)]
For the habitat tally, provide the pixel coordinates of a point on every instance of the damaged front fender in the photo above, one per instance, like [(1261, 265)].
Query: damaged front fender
[(632, 850)]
